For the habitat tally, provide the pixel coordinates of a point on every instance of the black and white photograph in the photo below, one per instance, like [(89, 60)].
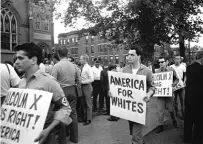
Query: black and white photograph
[(101, 72)]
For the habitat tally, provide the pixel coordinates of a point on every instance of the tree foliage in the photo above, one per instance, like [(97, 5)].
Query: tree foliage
[(139, 22)]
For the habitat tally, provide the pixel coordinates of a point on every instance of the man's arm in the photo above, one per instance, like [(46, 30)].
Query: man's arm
[(61, 115), (150, 85), (175, 78), (14, 78), (54, 72)]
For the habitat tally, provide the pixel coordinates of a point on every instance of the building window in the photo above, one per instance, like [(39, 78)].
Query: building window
[(117, 60), (67, 41), (92, 39), (46, 24), (70, 40), (92, 49), (99, 48), (8, 29), (102, 48), (86, 50), (111, 59), (74, 51), (86, 39), (105, 48)]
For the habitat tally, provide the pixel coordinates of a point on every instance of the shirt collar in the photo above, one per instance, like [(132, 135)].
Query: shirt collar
[(140, 68), (64, 59), (36, 74)]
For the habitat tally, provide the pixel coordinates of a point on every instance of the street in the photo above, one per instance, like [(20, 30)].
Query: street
[(102, 131)]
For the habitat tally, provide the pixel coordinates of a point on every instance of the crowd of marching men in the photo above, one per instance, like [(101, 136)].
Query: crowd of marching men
[(81, 85)]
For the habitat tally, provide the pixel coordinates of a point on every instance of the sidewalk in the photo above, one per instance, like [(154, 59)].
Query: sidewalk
[(102, 131), (170, 135)]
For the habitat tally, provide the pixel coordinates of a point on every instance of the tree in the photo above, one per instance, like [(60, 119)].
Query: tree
[(185, 22), (139, 22)]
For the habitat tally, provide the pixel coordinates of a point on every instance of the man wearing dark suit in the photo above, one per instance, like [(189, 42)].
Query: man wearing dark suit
[(104, 87), (193, 124)]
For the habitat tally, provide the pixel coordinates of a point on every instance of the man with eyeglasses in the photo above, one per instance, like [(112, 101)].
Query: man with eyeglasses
[(165, 103)]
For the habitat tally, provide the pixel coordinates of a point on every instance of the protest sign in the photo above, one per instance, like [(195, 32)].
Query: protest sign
[(23, 115), (163, 84), (128, 91)]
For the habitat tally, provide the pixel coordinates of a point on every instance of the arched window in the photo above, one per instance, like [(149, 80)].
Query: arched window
[(8, 29)]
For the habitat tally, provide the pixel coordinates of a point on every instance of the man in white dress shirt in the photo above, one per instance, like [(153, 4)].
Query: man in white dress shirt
[(86, 79)]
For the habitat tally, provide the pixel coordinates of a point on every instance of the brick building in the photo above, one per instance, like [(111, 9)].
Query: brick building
[(26, 21), (94, 46)]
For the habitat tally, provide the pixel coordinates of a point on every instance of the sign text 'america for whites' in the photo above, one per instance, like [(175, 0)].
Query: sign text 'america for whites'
[(128, 91)]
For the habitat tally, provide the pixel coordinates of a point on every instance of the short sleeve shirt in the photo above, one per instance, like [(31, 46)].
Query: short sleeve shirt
[(43, 81)]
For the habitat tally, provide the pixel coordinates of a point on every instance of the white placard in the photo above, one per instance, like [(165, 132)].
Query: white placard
[(163, 84), (128, 91), (23, 115)]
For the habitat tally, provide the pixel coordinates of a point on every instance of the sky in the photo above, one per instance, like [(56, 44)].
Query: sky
[(60, 28)]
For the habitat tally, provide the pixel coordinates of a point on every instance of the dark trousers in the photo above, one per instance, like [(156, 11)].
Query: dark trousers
[(79, 109), (86, 101), (107, 105), (70, 93), (179, 93), (51, 139), (107, 99), (193, 124), (97, 90)]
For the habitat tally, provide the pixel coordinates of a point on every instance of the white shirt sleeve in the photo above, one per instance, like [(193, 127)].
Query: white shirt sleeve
[(14, 78), (184, 68)]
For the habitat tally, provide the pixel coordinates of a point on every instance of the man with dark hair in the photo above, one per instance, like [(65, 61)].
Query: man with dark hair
[(105, 87), (96, 69), (68, 76), (135, 67), (28, 58), (165, 102), (193, 102)]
